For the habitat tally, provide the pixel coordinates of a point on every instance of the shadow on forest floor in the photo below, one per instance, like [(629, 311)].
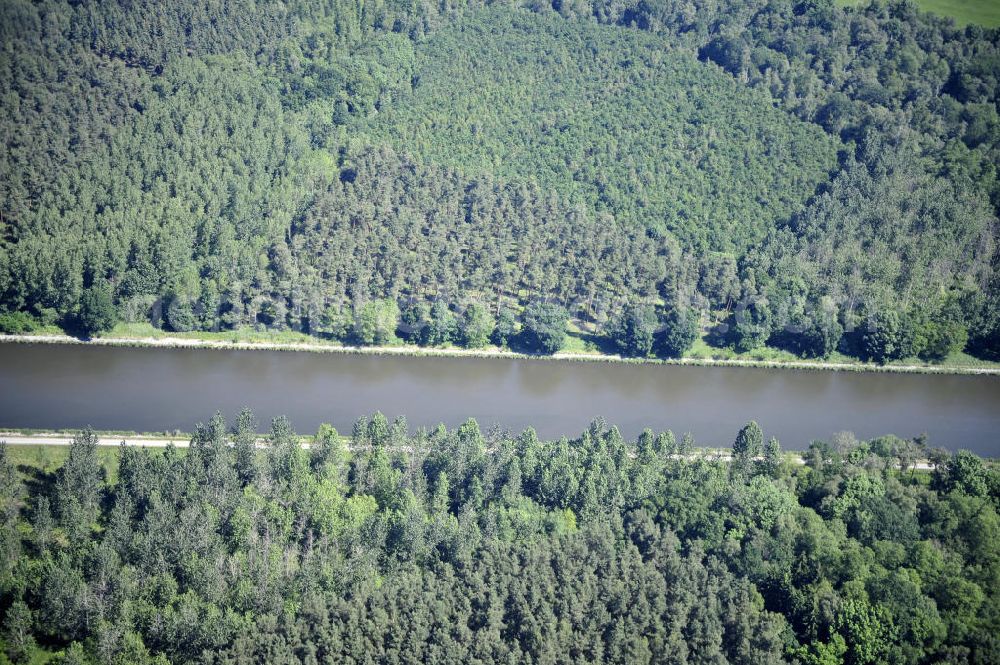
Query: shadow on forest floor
[(36, 481), (593, 341)]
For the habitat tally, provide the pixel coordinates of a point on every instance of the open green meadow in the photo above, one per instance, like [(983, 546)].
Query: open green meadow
[(979, 12)]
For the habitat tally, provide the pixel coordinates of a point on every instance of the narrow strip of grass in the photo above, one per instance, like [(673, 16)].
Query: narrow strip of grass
[(980, 12), (32, 460)]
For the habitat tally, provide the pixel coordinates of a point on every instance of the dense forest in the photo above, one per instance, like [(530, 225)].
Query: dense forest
[(794, 174), (462, 546)]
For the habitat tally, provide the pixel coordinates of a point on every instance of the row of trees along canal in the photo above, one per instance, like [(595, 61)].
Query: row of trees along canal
[(639, 330)]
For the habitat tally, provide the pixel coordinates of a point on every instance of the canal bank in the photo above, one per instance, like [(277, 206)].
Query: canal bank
[(419, 351), (156, 389)]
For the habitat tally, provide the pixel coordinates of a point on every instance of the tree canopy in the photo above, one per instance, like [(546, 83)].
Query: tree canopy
[(461, 545), (284, 168)]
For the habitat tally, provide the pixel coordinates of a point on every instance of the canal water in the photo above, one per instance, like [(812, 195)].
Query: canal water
[(148, 389)]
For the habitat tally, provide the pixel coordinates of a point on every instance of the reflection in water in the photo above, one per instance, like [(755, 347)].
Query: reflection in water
[(164, 389)]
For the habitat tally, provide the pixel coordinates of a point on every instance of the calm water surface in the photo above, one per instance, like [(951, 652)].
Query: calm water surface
[(55, 386)]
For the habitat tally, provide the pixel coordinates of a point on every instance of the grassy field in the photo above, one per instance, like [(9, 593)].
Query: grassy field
[(38, 462), (980, 12), (39, 656)]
